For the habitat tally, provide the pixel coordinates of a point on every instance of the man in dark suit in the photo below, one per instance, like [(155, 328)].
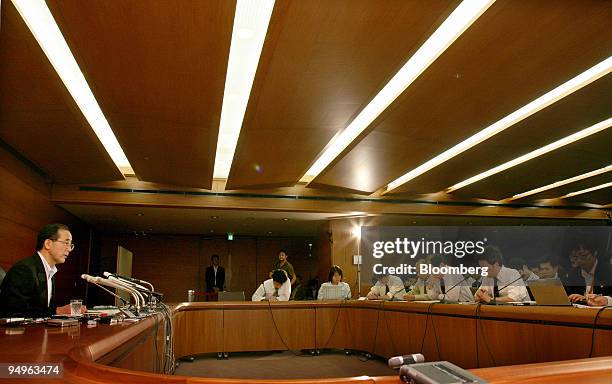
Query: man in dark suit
[(215, 276), (29, 286), (592, 276)]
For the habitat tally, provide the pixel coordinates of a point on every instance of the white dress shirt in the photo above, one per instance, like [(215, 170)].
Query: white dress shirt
[(345, 289), (266, 291), (588, 278), (457, 289), (49, 271), (396, 288), (516, 291)]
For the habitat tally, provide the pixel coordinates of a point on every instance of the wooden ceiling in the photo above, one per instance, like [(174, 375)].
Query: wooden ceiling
[(38, 117), (157, 70)]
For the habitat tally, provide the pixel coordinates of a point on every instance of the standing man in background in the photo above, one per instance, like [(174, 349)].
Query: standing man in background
[(28, 288), (215, 275), (283, 264)]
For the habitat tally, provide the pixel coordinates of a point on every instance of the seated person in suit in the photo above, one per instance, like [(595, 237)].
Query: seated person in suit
[(387, 287), (501, 284), (419, 290), (448, 287), (592, 276), (278, 288), (335, 279), (215, 275), (29, 286), (300, 291)]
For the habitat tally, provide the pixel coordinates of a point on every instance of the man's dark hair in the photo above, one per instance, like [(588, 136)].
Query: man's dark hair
[(491, 255), (279, 276), (215, 256), (517, 263), (283, 251), (333, 270), (552, 260), (49, 231), (436, 260)]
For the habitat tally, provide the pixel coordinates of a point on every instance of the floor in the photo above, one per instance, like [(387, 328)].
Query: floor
[(284, 365)]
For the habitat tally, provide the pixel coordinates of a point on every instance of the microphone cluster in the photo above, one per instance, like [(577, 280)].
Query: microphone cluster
[(144, 298)]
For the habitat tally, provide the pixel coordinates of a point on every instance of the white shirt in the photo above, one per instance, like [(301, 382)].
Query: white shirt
[(588, 278), (396, 288), (49, 271), (266, 291), (532, 276), (516, 291), (215, 269), (344, 288), (457, 289)]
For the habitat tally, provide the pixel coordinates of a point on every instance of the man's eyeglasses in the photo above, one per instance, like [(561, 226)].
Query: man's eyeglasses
[(67, 244)]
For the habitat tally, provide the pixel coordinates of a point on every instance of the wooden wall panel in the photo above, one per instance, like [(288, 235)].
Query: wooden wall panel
[(243, 258), (170, 263), (175, 264), (25, 209)]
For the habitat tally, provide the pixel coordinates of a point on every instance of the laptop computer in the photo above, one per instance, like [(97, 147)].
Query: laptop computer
[(231, 296), (548, 292), (331, 292)]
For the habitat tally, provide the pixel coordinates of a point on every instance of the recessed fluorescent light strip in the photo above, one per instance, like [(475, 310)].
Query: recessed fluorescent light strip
[(583, 79), (538, 152), (602, 186), (249, 32), (39, 20), (558, 184), (462, 17)]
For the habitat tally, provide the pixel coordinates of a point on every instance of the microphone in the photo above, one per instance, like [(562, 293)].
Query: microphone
[(143, 290), (113, 284), (130, 279), (398, 361), (128, 288), (92, 280)]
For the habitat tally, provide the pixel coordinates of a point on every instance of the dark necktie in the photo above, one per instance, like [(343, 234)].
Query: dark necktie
[(442, 287), (275, 292), (495, 288), (386, 289)]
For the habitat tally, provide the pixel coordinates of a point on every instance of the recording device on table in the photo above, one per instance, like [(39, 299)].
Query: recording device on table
[(413, 369)]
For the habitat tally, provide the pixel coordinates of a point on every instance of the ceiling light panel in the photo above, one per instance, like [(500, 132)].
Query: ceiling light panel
[(459, 20), (248, 35), (603, 125), (41, 23), (592, 74)]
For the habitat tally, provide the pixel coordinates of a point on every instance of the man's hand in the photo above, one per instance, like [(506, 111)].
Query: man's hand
[(482, 296), (215, 289), (596, 300), (574, 297), (408, 297), (65, 310), (372, 296)]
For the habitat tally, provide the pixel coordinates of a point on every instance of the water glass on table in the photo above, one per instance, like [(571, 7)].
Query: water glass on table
[(75, 307)]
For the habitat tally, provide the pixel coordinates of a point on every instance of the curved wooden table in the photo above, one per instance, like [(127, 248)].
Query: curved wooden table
[(469, 336)]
